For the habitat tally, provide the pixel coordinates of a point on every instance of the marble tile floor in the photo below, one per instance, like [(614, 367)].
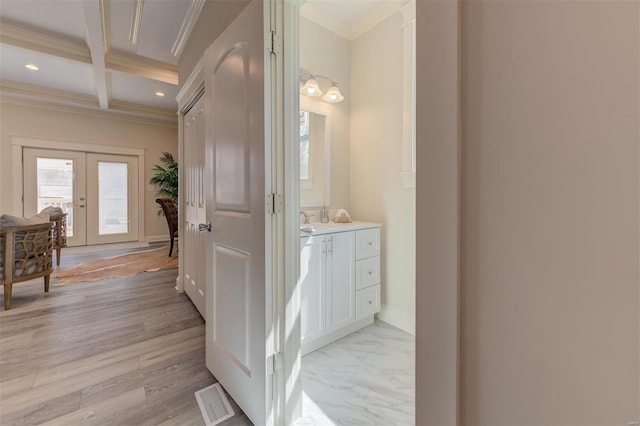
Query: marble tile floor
[(366, 378)]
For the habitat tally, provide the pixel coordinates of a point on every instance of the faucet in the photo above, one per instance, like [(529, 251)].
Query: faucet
[(306, 216)]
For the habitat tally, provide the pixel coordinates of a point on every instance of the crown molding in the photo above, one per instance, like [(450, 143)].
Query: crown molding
[(408, 11), (376, 16), (63, 97), (351, 32), (193, 84), (316, 15), (48, 43), (136, 18), (59, 100), (187, 26), (144, 67)]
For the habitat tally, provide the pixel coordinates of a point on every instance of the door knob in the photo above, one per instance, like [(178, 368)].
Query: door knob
[(205, 227)]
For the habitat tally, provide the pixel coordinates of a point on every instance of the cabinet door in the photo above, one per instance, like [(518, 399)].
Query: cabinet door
[(312, 278), (340, 286)]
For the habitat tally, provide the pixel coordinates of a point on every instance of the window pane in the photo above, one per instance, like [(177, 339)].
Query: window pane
[(113, 200), (55, 186)]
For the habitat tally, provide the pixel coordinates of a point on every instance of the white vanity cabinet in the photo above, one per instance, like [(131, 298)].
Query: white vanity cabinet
[(339, 282), (367, 272)]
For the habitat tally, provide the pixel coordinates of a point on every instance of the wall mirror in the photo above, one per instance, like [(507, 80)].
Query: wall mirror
[(315, 154)]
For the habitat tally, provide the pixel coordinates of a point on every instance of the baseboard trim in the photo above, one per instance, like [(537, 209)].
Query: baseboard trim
[(156, 238), (335, 335), (397, 318)]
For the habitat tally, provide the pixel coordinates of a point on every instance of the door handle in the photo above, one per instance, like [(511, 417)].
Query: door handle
[(79, 205), (205, 227)]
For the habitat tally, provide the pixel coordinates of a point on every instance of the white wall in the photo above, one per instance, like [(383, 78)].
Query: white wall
[(547, 273), (377, 192), (75, 125), (325, 53)]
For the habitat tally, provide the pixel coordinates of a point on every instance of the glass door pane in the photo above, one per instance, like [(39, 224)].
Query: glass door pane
[(112, 198), (57, 178), (54, 178), (113, 210)]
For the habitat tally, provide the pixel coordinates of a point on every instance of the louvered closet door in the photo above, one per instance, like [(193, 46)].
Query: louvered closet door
[(194, 205)]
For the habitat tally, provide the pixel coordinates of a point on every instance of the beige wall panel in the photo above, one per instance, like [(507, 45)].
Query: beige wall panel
[(437, 212), (549, 293)]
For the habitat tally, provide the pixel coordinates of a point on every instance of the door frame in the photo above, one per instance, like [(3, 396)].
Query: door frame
[(20, 142), (291, 389)]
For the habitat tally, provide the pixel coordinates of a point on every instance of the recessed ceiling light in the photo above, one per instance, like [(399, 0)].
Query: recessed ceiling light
[(159, 94), (32, 67)]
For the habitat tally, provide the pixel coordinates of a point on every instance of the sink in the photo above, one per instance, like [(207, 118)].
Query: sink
[(307, 228)]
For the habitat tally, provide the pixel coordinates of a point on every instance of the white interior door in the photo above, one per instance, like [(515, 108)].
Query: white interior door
[(98, 191), (112, 198), (57, 178), (239, 327), (195, 207)]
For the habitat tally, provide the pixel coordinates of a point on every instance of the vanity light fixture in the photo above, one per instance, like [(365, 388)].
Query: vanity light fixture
[(159, 94), (32, 67), (333, 94), (311, 88)]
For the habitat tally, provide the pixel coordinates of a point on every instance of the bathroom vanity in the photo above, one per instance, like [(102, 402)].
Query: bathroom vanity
[(339, 280)]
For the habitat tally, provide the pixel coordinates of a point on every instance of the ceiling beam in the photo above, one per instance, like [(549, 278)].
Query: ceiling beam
[(30, 91), (93, 22), (144, 67), (52, 44)]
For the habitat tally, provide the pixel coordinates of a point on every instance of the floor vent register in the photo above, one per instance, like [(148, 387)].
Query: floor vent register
[(214, 404)]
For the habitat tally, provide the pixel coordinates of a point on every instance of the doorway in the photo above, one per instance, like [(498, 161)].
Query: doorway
[(369, 171), (99, 192)]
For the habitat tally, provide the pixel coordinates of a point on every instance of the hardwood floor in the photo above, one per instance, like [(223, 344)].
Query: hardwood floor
[(112, 352)]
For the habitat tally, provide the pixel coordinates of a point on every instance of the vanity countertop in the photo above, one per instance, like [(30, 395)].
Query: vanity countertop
[(330, 227)]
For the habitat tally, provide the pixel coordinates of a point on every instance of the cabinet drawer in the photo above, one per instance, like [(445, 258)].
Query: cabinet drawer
[(367, 243), (367, 301), (367, 272)]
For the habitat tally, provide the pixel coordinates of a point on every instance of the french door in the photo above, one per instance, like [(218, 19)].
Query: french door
[(98, 191)]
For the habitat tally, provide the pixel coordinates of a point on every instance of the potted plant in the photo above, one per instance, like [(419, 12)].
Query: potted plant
[(165, 175)]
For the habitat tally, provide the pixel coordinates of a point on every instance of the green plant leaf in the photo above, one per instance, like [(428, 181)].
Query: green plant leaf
[(166, 176)]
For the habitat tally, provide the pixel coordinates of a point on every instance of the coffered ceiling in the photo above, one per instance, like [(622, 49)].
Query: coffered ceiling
[(120, 55), (115, 55)]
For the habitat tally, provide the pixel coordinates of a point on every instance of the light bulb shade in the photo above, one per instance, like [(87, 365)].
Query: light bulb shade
[(333, 94), (311, 88)]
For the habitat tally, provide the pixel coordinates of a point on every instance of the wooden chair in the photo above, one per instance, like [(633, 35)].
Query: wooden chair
[(171, 214), (59, 233), (25, 254)]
